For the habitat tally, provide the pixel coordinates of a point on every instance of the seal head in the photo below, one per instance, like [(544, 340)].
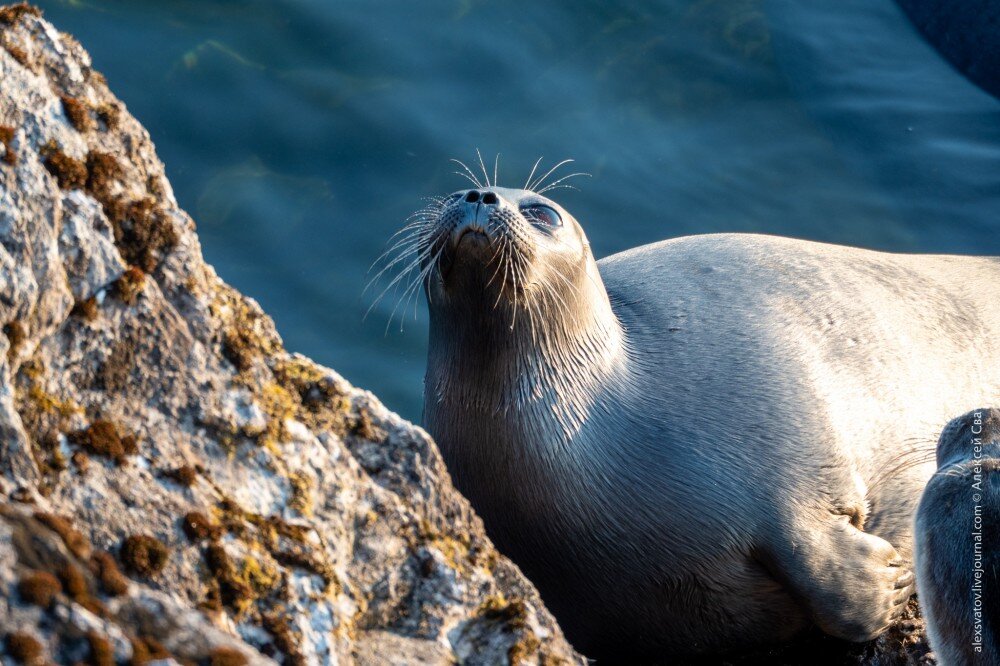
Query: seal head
[(513, 289), (957, 539)]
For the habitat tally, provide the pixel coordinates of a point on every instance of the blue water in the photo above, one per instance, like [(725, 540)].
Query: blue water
[(300, 134)]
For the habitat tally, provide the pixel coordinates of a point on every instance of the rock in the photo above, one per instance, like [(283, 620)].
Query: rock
[(172, 481)]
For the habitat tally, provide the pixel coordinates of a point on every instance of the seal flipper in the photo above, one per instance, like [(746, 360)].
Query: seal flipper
[(853, 584)]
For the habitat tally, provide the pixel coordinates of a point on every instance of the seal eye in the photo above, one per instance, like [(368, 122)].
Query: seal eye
[(542, 216)]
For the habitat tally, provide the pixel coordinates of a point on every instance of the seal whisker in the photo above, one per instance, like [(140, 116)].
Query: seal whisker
[(413, 232), (465, 175), (552, 292), (904, 461), (413, 288), (548, 173), (496, 170), (575, 288), (496, 271), (556, 183), (505, 259), (482, 164), (468, 172), (405, 246), (413, 285), (403, 273), (407, 239), (514, 275), (404, 256), (561, 187), (532, 174)]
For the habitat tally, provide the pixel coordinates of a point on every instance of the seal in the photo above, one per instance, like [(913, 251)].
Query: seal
[(685, 445), (957, 542)]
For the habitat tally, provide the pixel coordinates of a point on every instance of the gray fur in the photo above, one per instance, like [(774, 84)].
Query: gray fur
[(947, 535), (680, 444)]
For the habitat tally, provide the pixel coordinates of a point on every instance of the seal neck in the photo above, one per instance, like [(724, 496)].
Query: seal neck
[(547, 362)]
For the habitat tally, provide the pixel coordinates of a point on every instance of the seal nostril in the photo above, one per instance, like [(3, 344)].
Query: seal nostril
[(472, 196), (490, 198)]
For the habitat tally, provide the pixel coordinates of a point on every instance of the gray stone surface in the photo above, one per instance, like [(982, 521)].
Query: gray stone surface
[(139, 394)]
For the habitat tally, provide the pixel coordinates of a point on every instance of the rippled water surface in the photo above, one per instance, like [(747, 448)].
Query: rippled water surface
[(300, 134)]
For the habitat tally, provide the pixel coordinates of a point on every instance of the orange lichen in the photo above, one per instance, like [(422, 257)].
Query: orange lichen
[(234, 592), (76, 542), (130, 284), (144, 555), (101, 652), (77, 112), (86, 309), (102, 438), (24, 648), (7, 139), (197, 526), (70, 173), (146, 649), (105, 568), (143, 231), (11, 14), (227, 656), (186, 475), (104, 172), (362, 426), (77, 586), (19, 55), (16, 335), (276, 624), (110, 115), (302, 493), (81, 460), (23, 495), (39, 588)]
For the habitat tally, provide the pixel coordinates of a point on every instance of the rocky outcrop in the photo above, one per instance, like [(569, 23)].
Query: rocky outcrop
[(172, 481)]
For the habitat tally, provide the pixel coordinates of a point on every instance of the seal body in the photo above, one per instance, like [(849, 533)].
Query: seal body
[(957, 543), (705, 444)]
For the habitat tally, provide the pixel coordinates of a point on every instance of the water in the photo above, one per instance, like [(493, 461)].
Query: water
[(299, 134)]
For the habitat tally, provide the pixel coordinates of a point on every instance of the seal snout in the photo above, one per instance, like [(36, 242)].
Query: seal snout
[(476, 207)]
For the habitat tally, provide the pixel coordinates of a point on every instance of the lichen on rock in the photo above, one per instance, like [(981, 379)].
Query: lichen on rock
[(174, 483)]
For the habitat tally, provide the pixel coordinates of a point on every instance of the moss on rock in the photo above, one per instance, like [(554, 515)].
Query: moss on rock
[(7, 139), (24, 648), (39, 588), (78, 113), (146, 649), (70, 173), (105, 568), (130, 285), (144, 555), (11, 14), (197, 526), (75, 541), (103, 438), (101, 653), (227, 656)]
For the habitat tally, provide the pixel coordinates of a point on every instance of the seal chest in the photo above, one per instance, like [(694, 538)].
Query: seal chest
[(659, 439)]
